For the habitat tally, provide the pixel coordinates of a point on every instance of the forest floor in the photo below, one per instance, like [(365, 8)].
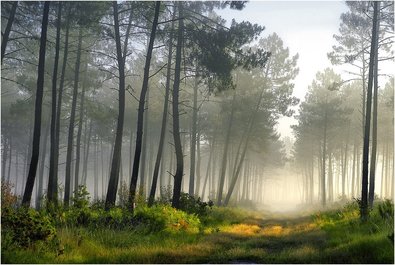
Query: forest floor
[(335, 236)]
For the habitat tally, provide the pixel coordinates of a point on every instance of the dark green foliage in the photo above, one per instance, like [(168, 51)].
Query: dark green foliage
[(386, 211), (192, 205), (24, 226), (165, 218)]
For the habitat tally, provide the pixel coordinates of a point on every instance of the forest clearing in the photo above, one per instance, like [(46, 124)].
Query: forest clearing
[(237, 132)]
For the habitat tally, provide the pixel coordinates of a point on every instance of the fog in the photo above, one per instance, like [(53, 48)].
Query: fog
[(143, 102)]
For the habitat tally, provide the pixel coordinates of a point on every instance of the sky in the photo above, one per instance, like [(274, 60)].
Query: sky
[(306, 27)]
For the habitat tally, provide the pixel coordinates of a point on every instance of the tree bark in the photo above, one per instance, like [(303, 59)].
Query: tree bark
[(144, 148), (225, 154), (193, 140), (7, 30), (365, 159), (42, 166), (164, 118), (86, 159), (79, 131), (140, 115), (198, 162), (70, 139), (373, 156), (38, 110), (116, 157), (176, 116), (51, 181), (323, 188)]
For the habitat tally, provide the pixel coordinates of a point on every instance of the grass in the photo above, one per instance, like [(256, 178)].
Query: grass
[(229, 236)]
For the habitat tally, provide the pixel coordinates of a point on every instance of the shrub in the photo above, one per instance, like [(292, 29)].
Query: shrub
[(165, 218), (192, 205), (8, 199), (386, 211), (81, 197), (123, 195), (24, 226), (166, 194)]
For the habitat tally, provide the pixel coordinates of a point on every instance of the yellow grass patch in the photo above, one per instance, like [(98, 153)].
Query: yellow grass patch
[(244, 229)]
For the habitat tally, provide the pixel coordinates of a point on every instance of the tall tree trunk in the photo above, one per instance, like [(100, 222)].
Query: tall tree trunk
[(7, 30), (365, 160), (198, 162), (140, 115), (176, 115), (164, 118), (4, 157), (42, 166), (323, 188), (354, 158), (38, 109), (16, 170), (95, 174), (53, 180), (382, 171), (193, 138), (79, 131), (373, 156), (86, 159), (144, 148), (50, 190), (208, 169), (225, 154), (70, 139), (9, 161), (116, 157), (330, 178)]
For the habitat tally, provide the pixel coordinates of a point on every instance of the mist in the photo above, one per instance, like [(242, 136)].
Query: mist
[(135, 105)]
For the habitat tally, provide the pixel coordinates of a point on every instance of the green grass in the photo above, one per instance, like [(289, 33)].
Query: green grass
[(229, 236)]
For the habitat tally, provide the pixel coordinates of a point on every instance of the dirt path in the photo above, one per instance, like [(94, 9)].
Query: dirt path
[(268, 240)]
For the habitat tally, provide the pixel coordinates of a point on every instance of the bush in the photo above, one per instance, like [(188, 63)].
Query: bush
[(192, 205), (165, 218), (24, 226), (8, 199)]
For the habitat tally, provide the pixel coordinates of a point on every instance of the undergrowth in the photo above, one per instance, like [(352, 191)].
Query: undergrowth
[(199, 233)]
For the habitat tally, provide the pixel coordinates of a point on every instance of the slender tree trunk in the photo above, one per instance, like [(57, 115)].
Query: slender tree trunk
[(323, 188), (7, 30), (86, 159), (16, 170), (38, 109), (140, 115), (70, 139), (373, 157), (116, 157), (225, 154), (4, 157), (193, 139), (9, 161), (353, 170), (53, 180), (79, 132), (42, 166), (95, 171), (144, 148), (164, 119), (382, 171), (50, 191), (130, 151), (198, 162), (365, 161), (208, 169), (176, 115), (330, 178)]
